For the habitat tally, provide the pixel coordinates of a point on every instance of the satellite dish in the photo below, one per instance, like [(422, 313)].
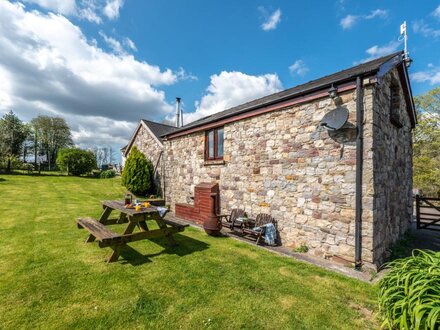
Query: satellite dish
[(334, 119)]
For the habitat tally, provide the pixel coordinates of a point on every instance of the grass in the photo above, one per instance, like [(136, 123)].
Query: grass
[(51, 279)]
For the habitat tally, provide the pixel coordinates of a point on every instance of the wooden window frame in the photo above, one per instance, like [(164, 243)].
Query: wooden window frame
[(216, 157)]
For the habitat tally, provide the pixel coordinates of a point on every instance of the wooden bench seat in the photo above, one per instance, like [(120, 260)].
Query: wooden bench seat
[(99, 230), (176, 223), (96, 228)]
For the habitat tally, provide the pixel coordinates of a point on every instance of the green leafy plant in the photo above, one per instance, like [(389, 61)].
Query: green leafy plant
[(409, 296), (137, 175), (76, 161), (301, 249), (107, 174)]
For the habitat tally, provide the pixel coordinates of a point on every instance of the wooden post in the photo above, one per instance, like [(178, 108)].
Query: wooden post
[(115, 254)]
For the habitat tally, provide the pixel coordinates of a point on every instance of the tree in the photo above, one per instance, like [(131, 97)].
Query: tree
[(50, 135), (28, 144), (76, 161), (13, 133), (137, 175), (104, 155), (426, 139)]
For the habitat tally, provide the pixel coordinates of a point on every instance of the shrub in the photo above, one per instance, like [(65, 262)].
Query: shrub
[(28, 167), (95, 173), (409, 296), (107, 174), (14, 162), (76, 161), (137, 175)]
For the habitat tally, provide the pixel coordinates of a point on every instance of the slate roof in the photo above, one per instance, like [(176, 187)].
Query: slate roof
[(159, 129), (349, 74)]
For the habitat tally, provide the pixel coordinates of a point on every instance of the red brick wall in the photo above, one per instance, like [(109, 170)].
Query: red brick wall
[(205, 204)]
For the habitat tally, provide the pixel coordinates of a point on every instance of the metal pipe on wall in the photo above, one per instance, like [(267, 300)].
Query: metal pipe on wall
[(359, 170)]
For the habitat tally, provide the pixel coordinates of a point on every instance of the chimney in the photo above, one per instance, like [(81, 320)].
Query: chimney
[(178, 111)]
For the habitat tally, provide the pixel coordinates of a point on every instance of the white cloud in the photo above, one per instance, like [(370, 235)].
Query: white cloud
[(47, 66), (130, 44), (5, 90), (379, 51), (431, 76), (299, 68), (114, 44), (183, 75), (271, 21), (424, 29), (112, 7), (89, 12), (109, 132), (350, 20), (381, 13), (340, 5), (65, 7), (436, 12), (229, 89)]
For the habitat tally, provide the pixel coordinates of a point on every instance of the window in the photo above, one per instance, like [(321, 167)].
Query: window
[(214, 144), (395, 104)]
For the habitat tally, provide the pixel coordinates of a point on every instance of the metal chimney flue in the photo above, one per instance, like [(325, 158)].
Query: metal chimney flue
[(178, 112)]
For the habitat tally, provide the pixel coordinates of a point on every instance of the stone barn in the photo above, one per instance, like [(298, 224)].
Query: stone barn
[(344, 193), (147, 137)]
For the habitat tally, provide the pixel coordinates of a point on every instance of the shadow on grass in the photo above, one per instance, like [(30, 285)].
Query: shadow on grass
[(185, 245), (133, 257), (1, 179)]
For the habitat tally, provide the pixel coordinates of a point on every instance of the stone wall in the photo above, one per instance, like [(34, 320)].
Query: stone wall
[(392, 157), (151, 149), (284, 164)]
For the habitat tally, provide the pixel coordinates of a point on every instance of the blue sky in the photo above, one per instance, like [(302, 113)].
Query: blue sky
[(104, 64)]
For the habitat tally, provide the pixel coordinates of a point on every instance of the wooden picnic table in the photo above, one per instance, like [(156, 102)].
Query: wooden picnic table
[(99, 230)]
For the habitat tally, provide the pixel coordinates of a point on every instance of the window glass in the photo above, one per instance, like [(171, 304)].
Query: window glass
[(220, 142), (211, 144)]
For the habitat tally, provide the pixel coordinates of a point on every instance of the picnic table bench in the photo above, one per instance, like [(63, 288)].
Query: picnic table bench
[(99, 231)]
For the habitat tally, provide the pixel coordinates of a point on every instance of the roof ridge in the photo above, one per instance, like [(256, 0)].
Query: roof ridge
[(281, 93), (155, 122)]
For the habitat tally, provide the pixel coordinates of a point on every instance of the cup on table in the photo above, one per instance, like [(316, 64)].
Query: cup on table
[(146, 204), (138, 208)]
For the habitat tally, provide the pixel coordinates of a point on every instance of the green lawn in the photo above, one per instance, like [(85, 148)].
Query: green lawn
[(51, 279)]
